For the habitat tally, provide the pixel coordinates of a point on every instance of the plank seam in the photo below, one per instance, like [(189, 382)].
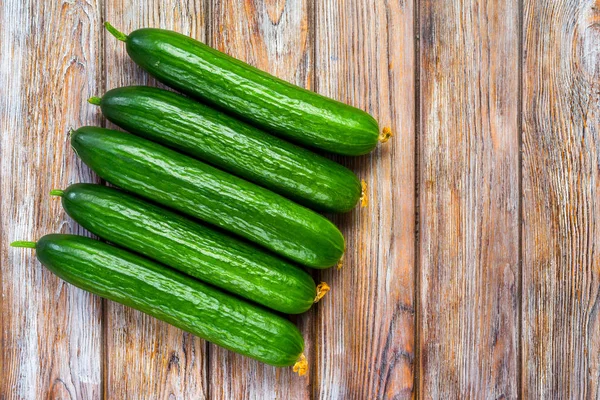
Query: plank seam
[(521, 27), (417, 177), (207, 26)]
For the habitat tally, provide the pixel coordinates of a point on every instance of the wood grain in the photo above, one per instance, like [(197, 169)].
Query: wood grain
[(561, 199), (442, 289), (146, 358), (273, 35), (469, 197), (365, 328), (51, 331)]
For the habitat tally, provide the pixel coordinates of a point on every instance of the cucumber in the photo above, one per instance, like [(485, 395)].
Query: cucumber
[(275, 105), (186, 303), (192, 187), (194, 249), (228, 143)]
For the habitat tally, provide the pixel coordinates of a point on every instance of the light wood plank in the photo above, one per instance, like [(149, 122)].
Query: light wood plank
[(51, 331), (365, 327), (561, 199), (146, 358), (469, 199), (274, 36)]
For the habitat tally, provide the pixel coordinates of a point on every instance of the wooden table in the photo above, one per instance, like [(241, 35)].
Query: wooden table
[(473, 273)]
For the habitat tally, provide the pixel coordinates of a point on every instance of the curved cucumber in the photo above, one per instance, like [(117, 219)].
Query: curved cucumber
[(165, 294), (277, 106), (214, 196), (199, 251), (227, 143)]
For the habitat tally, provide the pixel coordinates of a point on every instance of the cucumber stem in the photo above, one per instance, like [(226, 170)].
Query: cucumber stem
[(301, 366), (385, 135), (340, 263), (113, 31), (322, 289), (95, 100), (364, 200), (23, 243), (57, 192)]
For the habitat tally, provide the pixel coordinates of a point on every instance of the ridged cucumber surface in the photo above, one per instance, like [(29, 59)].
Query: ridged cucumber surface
[(170, 296), (277, 106), (232, 145), (189, 247), (202, 191)]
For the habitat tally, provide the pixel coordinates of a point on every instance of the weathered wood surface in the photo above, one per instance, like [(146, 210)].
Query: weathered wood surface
[(561, 199), (51, 332), (146, 358), (364, 56), (469, 196), (273, 36), (474, 271)]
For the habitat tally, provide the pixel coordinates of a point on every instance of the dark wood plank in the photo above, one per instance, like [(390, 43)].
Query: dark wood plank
[(561, 199), (50, 60), (365, 326), (469, 199), (273, 36), (146, 358)]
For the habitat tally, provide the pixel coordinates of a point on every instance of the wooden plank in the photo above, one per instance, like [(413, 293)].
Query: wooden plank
[(273, 36), (365, 327), (561, 199), (51, 331), (146, 358), (469, 199)]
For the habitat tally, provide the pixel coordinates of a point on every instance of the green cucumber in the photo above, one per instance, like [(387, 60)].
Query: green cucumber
[(197, 189), (170, 296), (194, 249), (279, 107), (232, 145)]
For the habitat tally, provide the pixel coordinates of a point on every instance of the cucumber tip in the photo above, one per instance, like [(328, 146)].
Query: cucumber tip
[(364, 200), (23, 244), (301, 366), (95, 100), (322, 289), (57, 192), (386, 134), (116, 33)]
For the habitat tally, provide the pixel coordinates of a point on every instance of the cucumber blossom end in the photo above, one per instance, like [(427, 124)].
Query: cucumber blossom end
[(386, 134), (301, 366), (322, 289)]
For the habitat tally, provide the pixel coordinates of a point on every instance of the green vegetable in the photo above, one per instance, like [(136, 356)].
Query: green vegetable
[(165, 294), (183, 183), (229, 144), (199, 251), (277, 106)]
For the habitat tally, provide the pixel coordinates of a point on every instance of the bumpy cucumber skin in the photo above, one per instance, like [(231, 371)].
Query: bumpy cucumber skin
[(234, 146), (167, 295), (277, 106), (194, 249), (197, 189)]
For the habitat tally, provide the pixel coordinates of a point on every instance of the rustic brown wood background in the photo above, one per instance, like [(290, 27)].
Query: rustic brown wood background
[(473, 273)]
